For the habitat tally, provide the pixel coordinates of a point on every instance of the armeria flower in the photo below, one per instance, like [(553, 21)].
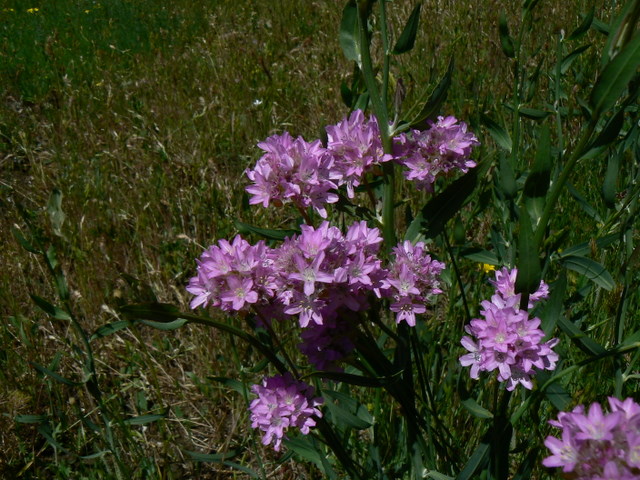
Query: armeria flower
[(283, 403), (444, 147), (321, 271), (293, 171), (412, 281), (232, 276), (506, 339), (597, 445), (356, 147)]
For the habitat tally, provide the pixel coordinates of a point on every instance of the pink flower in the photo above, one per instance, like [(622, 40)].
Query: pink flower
[(507, 339), (283, 403), (597, 445)]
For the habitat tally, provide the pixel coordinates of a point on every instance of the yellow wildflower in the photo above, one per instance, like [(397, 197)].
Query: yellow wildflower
[(487, 268), (33, 10)]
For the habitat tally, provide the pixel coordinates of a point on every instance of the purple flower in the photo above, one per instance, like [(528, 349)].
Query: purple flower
[(506, 339), (444, 147), (232, 276), (597, 445), (412, 281), (356, 147), (292, 171), (283, 403)]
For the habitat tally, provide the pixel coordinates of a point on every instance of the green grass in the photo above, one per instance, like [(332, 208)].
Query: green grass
[(144, 115)]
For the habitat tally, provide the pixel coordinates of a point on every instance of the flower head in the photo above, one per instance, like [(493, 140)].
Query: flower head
[(597, 445), (283, 403)]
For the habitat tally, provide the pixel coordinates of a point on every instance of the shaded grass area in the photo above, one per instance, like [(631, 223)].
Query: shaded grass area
[(144, 115)]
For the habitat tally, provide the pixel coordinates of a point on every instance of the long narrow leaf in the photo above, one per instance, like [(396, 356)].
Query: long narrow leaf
[(615, 77), (408, 36)]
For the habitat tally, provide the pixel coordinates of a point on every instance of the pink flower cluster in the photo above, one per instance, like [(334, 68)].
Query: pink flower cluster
[(293, 171), (444, 147), (506, 338), (356, 147), (595, 445), (321, 271), (283, 403), (232, 276), (307, 174), (318, 277), (411, 281)]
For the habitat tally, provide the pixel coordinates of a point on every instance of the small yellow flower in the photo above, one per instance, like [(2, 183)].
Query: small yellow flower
[(8, 10), (486, 268), (33, 10)]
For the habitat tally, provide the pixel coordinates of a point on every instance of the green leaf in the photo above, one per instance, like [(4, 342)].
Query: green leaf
[(439, 210), (349, 38), (508, 183), (584, 26), (480, 255), (264, 232), (529, 272), (54, 375), (499, 134), (584, 204), (591, 269), (553, 307), (24, 243), (110, 328), (157, 312), (505, 39), (31, 418), (407, 38), (438, 476), (303, 447), (231, 383), (533, 113), (611, 180), (173, 325), (612, 31), (537, 183), (581, 339), (435, 100), (50, 309), (478, 458), (554, 391), (615, 77), (476, 409), (610, 131), (54, 209), (145, 419), (346, 411), (165, 313), (584, 248), (571, 57)]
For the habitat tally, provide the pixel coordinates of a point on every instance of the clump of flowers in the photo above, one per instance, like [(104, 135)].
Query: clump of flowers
[(293, 170), (308, 175), (356, 148), (412, 281), (595, 445), (443, 147), (321, 271), (232, 276), (283, 403), (506, 339)]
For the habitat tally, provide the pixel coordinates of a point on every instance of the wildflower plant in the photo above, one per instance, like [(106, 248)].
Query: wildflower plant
[(355, 297)]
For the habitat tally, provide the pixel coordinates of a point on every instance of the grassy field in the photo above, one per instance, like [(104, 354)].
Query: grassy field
[(144, 115)]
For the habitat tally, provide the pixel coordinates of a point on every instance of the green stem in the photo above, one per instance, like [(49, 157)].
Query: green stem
[(379, 107)]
